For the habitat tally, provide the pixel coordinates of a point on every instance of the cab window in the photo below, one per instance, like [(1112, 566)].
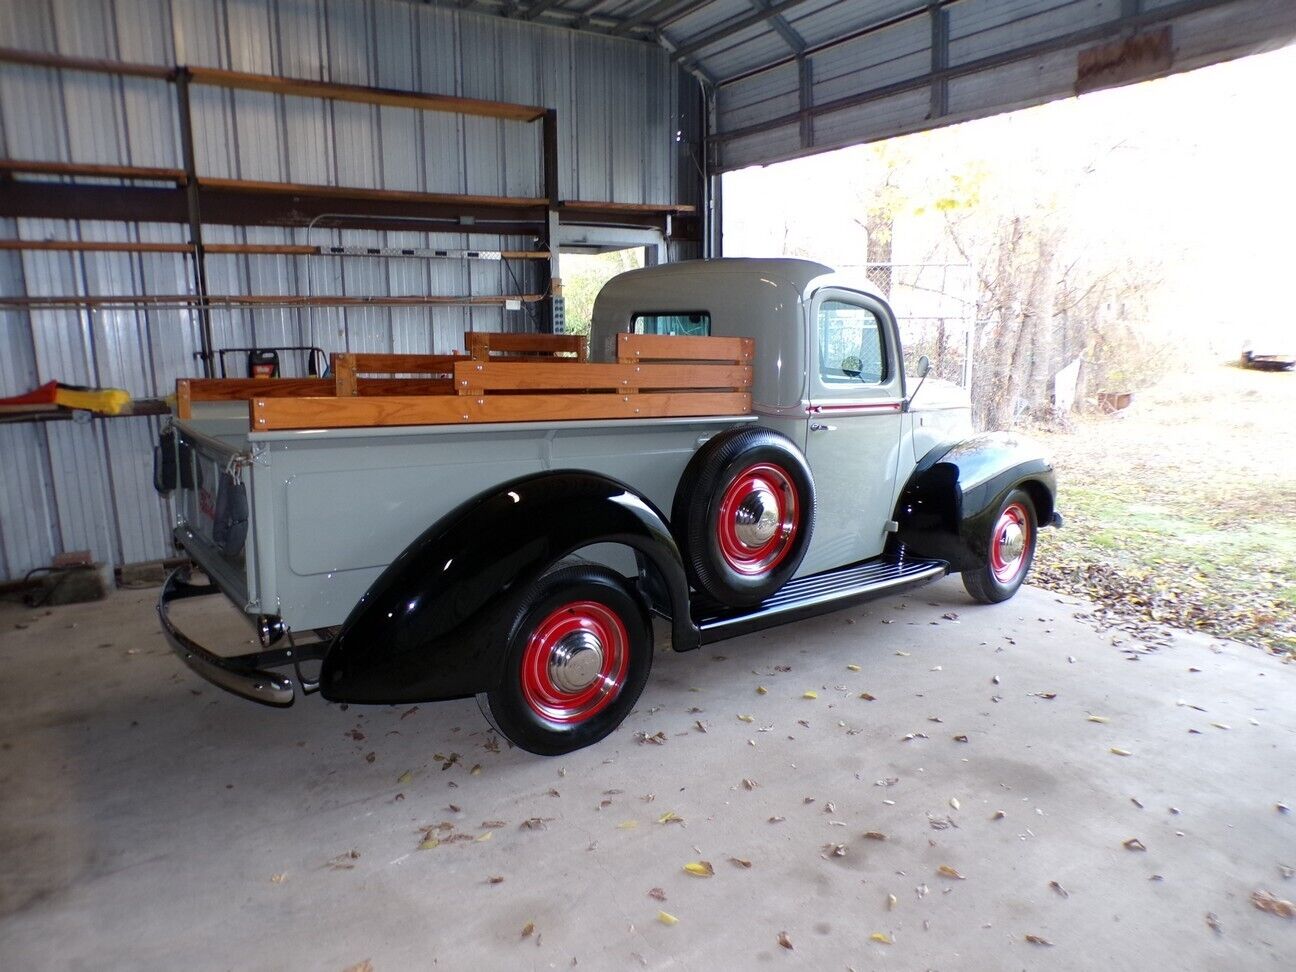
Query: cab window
[(850, 345), (696, 324)]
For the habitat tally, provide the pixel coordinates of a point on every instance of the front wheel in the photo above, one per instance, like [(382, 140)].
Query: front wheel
[(577, 655), (1011, 551)]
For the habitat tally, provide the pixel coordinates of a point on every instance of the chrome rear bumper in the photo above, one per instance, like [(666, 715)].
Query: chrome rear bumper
[(243, 675)]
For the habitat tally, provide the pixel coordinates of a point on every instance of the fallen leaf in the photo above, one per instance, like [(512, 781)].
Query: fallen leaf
[(998, 815), (1059, 889), (834, 850), (853, 668), (1102, 719), (493, 824), (495, 879), (657, 894), (1213, 923), (892, 901), (365, 966), (429, 843), (880, 938), (961, 738), (784, 940), (1266, 901), (406, 777), (345, 861), (746, 718), (749, 784), (903, 654), (946, 871), (1117, 751), (1036, 940), (657, 738), (538, 823), (670, 817), (667, 919), (875, 835), (627, 825), (1220, 725), (700, 868), (1133, 844), (868, 698), (278, 878), (1045, 695), (528, 929), (699, 725), (954, 802), (809, 695), (739, 862), (777, 819), (762, 690), (485, 836)]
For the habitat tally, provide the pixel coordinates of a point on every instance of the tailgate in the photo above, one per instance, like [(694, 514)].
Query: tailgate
[(211, 500)]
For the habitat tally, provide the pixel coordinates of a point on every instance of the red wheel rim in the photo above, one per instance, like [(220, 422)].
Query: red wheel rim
[(757, 523), (1010, 543), (575, 662)]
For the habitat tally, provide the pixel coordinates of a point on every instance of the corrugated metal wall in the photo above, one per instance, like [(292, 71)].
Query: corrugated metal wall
[(67, 486)]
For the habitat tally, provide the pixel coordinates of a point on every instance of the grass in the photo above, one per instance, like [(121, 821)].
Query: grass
[(1182, 509)]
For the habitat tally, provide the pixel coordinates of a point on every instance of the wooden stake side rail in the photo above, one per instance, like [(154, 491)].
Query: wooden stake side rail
[(318, 413), (658, 377)]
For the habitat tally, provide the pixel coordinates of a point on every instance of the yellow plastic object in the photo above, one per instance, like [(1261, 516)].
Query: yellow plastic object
[(104, 401)]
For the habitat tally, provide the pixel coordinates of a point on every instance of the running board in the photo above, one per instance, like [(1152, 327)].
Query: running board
[(816, 594)]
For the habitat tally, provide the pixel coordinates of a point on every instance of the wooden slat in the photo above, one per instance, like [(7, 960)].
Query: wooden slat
[(481, 344), (303, 88), (475, 376), (675, 347), (312, 413), (262, 300), (358, 193), (404, 386), (92, 169), (581, 205), (233, 389), (184, 408), (397, 364)]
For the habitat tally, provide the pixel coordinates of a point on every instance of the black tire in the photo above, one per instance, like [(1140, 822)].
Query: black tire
[(1000, 577), (530, 707), (738, 471)]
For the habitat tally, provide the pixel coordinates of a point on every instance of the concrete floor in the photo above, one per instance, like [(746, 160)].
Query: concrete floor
[(149, 821)]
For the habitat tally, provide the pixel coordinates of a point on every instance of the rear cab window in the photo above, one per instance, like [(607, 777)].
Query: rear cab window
[(691, 323)]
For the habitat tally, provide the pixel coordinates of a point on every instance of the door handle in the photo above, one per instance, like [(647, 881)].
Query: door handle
[(821, 427)]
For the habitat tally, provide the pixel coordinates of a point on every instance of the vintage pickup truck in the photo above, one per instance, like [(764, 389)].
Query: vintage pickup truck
[(509, 527)]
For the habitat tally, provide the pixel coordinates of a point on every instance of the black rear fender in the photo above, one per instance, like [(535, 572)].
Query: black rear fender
[(949, 505), (428, 628)]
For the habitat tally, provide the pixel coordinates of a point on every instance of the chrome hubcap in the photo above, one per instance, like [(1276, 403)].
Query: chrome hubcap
[(1012, 542), (757, 518), (576, 661)]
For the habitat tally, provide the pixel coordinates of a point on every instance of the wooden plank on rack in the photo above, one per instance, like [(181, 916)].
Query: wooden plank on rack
[(397, 364), (233, 389), (358, 193), (320, 413), (94, 170), (479, 375), (678, 347)]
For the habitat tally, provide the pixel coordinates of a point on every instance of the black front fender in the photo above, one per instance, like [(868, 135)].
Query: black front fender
[(428, 628), (949, 505)]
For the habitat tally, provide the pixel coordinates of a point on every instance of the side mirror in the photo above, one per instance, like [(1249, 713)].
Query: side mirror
[(923, 366)]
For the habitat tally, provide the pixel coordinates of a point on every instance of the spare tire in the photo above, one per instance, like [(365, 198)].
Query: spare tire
[(743, 514)]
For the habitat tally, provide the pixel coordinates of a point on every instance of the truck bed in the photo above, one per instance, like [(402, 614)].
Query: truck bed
[(336, 486)]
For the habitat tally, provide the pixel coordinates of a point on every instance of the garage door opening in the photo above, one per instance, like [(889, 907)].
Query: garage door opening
[(1106, 272), (584, 275)]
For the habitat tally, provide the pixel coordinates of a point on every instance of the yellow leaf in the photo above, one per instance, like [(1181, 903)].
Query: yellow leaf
[(1102, 719), (880, 938), (1117, 751), (666, 918), (406, 777), (892, 901), (627, 825), (761, 690), (853, 668), (810, 695), (946, 871), (670, 816), (746, 718), (485, 836), (700, 868), (278, 878), (429, 843)]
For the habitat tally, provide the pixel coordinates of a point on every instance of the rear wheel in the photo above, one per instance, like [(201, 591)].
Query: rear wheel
[(577, 656), (1011, 551)]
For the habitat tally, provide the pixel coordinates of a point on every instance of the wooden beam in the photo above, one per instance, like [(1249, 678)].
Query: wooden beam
[(392, 97), (253, 249), (318, 413), (259, 300), (395, 364), (662, 209), (92, 170), (10, 55), (357, 193), (481, 344)]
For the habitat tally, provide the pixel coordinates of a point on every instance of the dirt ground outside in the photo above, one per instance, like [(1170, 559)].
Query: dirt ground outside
[(1181, 509)]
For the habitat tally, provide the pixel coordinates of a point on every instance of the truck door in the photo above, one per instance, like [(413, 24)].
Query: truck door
[(855, 413)]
